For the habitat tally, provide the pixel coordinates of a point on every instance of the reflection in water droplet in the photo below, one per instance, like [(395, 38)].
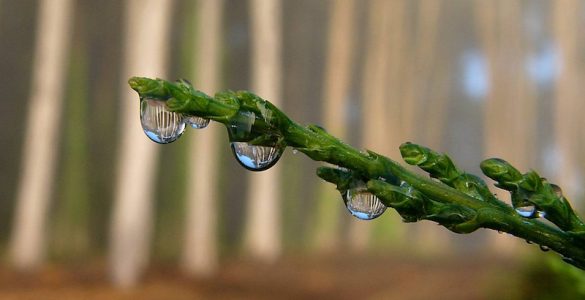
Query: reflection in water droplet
[(160, 124), (256, 158), (544, 248), (196, 122), (363, 204), (530, 211)]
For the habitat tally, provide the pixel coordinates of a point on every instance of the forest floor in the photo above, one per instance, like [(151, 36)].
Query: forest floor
[(291, 278)]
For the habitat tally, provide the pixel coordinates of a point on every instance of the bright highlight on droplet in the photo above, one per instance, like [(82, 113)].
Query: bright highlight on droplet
[(363, 204), (196, 122), (256, 158), (160, 125)]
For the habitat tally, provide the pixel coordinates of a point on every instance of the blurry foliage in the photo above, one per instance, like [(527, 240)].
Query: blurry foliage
[(549, 278)]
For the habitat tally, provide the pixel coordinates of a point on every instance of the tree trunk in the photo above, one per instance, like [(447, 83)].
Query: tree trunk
[(337, 83), (146, 47), (200, 248), (262, 235), (509, 110), (373, 96), (568, 105), (429, 238), (71, 238), (38, 161)]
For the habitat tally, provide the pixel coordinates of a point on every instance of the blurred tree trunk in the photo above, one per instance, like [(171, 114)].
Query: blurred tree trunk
[(373, 99), (337, 81), (509, 111), (200, 248), (438, 107), (421, 56), (397, 68), (569, 92), (71, 232), (42, 136), (262, 232), (429, 238), (146, 47)]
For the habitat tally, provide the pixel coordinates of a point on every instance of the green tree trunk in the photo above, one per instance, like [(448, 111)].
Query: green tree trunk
[(71, 233)]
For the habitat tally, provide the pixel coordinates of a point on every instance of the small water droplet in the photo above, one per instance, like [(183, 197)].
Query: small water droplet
[(570, 261), (528, 211), (500, 232), (557, 189), (528, 242), (160, 125), (196, 122), (256, 158), (363, 204), (295, 151), (544, 248)]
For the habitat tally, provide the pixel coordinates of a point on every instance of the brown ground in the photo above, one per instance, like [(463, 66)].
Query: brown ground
[(313, 278)]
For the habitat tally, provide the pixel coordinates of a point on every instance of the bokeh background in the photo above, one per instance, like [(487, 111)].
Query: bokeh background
[(90, 208)]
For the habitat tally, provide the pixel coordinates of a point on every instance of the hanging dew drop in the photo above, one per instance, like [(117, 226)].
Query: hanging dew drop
[(256, 158), (160, 125), (196, 122), (363, 204), (528, 211)]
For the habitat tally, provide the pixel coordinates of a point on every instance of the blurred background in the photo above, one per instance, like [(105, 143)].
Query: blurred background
[(90, 208)]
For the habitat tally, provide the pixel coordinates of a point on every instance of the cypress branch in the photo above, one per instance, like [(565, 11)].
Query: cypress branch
[(459, 201)]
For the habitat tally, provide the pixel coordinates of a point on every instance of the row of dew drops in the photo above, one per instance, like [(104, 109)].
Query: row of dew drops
[(164, 126)]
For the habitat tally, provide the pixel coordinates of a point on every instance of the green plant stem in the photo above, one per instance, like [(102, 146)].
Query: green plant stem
[(461, 202)]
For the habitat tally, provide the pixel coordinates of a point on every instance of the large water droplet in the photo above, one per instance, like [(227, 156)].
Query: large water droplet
[(256, 158), (530, 211), (160, 124), (363, 204), (196, 122)]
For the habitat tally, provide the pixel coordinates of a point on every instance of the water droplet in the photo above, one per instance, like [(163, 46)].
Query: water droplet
[(557, 189), (240, 126), (363, 204), (160, 124), (256, 158), (196, 122), (500, 232), (295, 151), (528, 242), (530, 211), (544, 248), (570, 261)]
